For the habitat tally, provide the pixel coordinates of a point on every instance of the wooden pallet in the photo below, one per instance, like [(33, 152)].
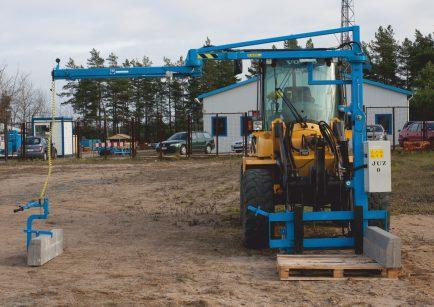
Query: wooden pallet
[(331, 267)]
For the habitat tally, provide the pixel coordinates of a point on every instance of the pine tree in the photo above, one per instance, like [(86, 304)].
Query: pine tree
[(178, 94), (421, 53), (404, 57), (383, 52), (254, 69), (82, 95), (291, 44), (422, 104), (117, 96), (309, 44), (70, 91), (97, 87), (193, 106), (142, 99)]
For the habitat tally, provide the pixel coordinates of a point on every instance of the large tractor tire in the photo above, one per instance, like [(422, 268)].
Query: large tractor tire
[(378, 201), (256, 190)]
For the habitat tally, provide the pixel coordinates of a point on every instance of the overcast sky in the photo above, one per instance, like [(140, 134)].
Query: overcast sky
[(34, 33)]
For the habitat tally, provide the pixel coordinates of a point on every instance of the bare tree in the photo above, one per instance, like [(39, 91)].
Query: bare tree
[(26, 101)]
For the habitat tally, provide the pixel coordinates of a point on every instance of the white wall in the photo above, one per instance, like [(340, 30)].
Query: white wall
[(233, 130), (244, 99), (57, 135), (237, 100), (374, 96), (67, 141)]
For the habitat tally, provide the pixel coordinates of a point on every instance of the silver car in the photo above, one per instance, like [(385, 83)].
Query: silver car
[(376, 133), (238, 146), (37, 147)]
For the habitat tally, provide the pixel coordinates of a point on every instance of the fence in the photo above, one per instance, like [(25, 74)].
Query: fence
[(79, 138), (12, 139), (391, 118), (230, 132), (91, 141)]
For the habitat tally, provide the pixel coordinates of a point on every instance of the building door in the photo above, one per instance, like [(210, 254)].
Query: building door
[(385, 120)]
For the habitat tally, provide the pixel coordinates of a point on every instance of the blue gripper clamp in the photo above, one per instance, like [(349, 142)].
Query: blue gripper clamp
[(29, 231)]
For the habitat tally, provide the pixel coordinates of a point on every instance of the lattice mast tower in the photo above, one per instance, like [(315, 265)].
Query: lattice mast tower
[(347, 18)]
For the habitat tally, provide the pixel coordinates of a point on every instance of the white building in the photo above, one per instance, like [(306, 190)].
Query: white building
[(62, 133), (384, 104)]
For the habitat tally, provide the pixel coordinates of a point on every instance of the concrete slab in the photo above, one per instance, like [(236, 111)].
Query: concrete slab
[(382, 246), (44, 248)]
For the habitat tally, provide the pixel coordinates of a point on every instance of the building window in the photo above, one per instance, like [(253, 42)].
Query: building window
[(384, 120), (243, 124), (42, 130), (221, 123)]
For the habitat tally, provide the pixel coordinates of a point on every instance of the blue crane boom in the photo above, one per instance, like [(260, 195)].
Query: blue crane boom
[(195, 58)]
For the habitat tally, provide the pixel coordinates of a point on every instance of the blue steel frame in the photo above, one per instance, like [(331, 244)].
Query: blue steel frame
[(29, 230), (193, 67), (287, 240)]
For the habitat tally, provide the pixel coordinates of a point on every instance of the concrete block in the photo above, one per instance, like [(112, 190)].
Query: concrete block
[(382, 246), (44, 248)]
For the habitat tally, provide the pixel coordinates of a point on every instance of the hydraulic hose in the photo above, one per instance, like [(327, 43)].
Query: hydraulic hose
[(50, 138)]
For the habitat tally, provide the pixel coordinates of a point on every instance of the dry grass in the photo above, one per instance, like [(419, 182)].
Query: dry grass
[(412, 177), (413, 183)]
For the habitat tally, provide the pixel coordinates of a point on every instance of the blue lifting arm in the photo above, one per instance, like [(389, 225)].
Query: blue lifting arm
[(123, 72), (195, 57)]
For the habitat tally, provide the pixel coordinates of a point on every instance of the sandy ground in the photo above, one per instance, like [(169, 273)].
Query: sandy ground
[(167, 233)]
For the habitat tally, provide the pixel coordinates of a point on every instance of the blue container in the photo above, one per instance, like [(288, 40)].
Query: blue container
[(14, 142), (89, 143)]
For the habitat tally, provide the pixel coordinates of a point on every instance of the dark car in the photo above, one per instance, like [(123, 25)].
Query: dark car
[(177, 143), (37, 147), (414, 132)]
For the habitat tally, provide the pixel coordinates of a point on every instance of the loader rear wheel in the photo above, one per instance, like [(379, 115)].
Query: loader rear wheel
[(378, 201), (256, 190)]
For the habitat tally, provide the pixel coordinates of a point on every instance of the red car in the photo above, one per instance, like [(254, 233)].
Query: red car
[(414, 132)]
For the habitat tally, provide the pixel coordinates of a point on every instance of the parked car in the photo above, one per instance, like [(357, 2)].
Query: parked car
[(376, 133), (238, 146), (37, 147), (413, 132), (177, 143), (407, 124), (153, 145)]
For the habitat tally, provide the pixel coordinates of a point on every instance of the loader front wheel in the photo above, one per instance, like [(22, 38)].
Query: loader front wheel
[(256, 190)]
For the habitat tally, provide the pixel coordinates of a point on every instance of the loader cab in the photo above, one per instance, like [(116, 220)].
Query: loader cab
[(312, 102)]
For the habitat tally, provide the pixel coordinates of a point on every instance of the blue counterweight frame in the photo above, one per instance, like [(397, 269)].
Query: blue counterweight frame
[(44, 204), (193, 67), (286, 242)]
